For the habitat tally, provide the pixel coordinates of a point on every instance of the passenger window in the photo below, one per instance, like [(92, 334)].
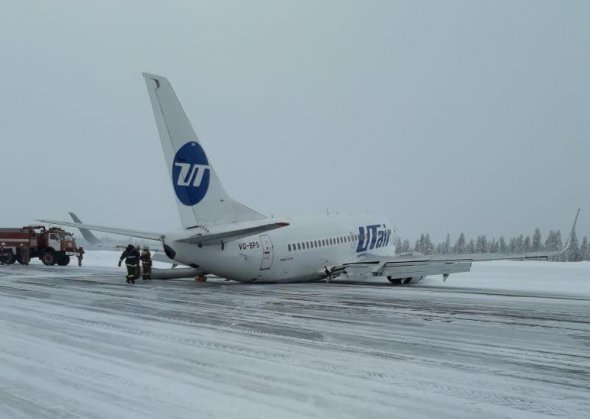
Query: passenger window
[(289, 247), (298, 246)]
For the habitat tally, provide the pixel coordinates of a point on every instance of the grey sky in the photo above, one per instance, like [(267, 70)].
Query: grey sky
[(455, 116)]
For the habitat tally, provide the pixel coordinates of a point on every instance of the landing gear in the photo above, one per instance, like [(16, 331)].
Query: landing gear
[(395, 281), (201, 278)]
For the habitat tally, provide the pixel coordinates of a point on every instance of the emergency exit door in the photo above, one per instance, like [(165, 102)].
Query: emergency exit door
[(267, 252)]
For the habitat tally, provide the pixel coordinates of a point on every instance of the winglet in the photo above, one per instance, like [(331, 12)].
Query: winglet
[(572, 231)]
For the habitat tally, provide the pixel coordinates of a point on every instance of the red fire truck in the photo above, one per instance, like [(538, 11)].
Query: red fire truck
[(52, 245)]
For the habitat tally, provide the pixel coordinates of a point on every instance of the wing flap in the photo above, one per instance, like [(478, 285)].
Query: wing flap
[(409, 267)]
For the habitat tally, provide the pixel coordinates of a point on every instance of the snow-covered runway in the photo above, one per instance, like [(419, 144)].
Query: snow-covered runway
[(79, 342)]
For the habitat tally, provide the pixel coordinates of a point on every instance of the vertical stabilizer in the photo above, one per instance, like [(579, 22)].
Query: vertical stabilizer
[(200, 197)]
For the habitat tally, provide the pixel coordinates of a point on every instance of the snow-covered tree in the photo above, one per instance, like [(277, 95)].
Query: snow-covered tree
[(470, 246), (446, 246), (420, 244), (460, 244), (526, 246), (553, 243), (493, 247), (573, 250), (559, 245), (502, 246), (406, 246), (519, 244), (397, 242), (482, 244), (537, 243), (428, 245), (584, 250)]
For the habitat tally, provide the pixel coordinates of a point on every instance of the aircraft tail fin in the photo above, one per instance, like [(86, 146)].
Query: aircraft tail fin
[(200, 196)]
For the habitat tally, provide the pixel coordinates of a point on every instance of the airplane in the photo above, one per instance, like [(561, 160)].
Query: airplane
[(223, 237)]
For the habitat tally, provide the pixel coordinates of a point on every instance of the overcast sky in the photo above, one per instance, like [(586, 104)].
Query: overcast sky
[(455, 116)]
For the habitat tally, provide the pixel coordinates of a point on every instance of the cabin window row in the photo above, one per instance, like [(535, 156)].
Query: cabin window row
[(314, 244)]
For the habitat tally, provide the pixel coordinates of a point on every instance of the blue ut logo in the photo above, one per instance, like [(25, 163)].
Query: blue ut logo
[(372, 237), (190, 173)]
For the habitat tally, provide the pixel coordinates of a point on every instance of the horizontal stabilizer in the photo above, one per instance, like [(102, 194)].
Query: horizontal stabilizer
[(112, 230), (233, 234)]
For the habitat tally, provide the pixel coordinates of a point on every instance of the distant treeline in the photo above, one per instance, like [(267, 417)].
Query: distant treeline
[(521, 244)]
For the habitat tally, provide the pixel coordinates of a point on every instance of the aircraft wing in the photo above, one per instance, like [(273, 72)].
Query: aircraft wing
[(413, 265), (406, 266), (112, 230)]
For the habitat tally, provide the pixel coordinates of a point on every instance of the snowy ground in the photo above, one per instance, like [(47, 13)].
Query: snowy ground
[(506, 340)]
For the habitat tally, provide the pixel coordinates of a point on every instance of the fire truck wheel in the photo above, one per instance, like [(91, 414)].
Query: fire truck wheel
[(11, 259), (48, 257), (63, 261)]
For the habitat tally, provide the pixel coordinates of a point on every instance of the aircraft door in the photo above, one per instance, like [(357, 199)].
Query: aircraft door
[(267, 252)]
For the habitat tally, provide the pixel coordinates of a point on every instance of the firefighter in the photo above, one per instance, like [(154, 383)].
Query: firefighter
[(80, 255), (131, 256), (146, 263), (25, 254), (4, 255)]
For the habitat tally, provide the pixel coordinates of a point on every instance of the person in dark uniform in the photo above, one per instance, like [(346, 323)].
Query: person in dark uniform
[(131, 256), (146, 263), (25, 254), (80, 255), (4, 255)]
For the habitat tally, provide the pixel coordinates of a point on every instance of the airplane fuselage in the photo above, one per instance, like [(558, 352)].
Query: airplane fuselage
[(299, 252)]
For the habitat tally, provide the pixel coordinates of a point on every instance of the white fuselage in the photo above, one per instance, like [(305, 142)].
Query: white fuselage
[(300, 251)]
